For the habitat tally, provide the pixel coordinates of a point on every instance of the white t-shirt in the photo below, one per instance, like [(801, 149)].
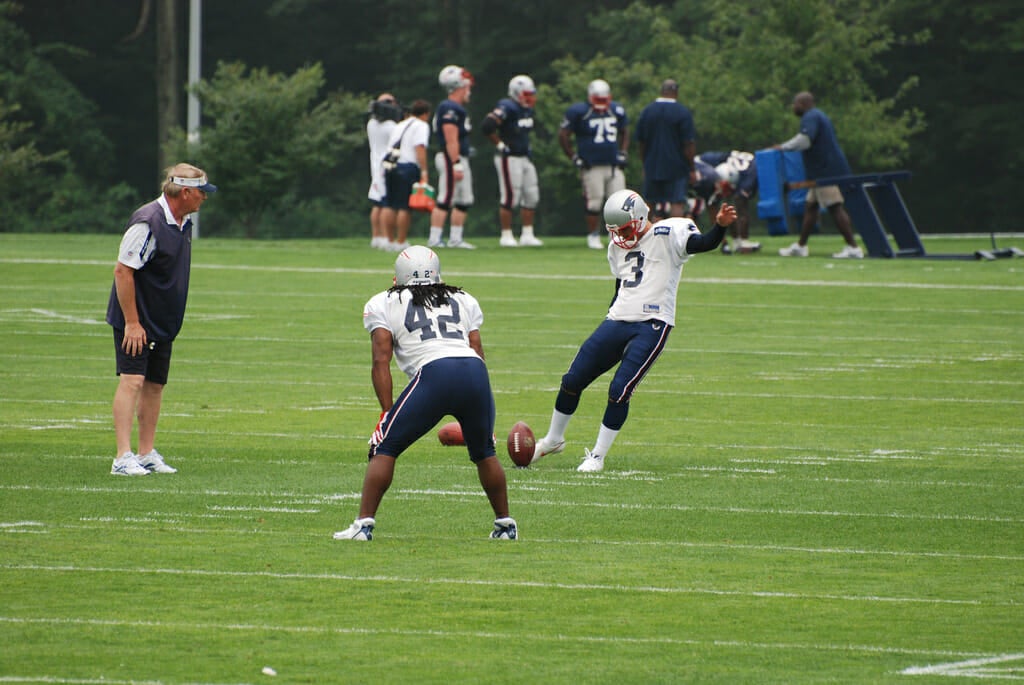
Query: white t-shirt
[(650, 272), (377, 133), (418, 134), (422, 335)]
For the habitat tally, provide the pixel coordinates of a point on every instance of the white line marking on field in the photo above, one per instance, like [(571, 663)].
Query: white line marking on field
[(553, 277), (177, 516), (87, 681), (501, 637), (504, 583), (273, 510), (35, 527), (975, 668), (49, 314), (414, 495)]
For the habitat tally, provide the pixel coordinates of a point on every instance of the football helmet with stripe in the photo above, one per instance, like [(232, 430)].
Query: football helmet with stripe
[(625, 215)]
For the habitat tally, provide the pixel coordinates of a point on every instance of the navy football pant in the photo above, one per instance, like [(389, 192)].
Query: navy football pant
[(458, 386), (633, 345)]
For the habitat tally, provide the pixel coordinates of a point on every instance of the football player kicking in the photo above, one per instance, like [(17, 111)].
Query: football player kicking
[(433, 331), (647, 261)]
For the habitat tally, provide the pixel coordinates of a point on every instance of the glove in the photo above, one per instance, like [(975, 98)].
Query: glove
[(502, 148), (620, 159), (378, 434), (580, 163)]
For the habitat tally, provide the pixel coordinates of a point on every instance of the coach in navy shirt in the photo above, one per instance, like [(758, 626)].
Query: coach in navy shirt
[(822, 158), (668, 142), (146, 309)]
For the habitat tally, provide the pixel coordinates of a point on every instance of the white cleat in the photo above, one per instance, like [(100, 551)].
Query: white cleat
[(849, 252), (361, 529), (128, 465), (592, 463), (544, 447), (795, 250), (530, 241), (461, 245), (594, 241), (505, 529), (154, 463)]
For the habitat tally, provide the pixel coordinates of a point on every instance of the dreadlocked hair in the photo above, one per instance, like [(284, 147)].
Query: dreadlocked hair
[(428, 296)]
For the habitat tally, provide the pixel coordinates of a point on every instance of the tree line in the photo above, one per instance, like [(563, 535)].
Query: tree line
[(927, 86)]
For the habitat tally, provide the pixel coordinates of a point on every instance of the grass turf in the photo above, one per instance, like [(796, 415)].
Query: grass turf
[(819, 480)]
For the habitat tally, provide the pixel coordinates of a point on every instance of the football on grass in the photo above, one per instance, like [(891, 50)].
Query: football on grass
[(520, 444), (451, 434)]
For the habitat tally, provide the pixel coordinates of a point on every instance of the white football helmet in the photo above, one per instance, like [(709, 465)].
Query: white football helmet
[(728, 175), (453, 77), (522, 90), (625, 215), (599, 94), (417, 265)]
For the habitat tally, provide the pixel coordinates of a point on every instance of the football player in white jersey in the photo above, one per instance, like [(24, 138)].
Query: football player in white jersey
[(433, 331), (647, 261)]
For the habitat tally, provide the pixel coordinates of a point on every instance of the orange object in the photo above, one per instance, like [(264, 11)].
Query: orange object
[(422, 197)]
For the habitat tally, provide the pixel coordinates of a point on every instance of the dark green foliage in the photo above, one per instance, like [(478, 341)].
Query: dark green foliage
[(927, 86), (271, 143), (55, 162)]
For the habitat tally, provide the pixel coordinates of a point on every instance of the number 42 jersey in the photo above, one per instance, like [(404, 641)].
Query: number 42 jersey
[(422, 335)]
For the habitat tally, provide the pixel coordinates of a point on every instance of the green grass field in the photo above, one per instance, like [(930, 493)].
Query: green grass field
[(819, 482)]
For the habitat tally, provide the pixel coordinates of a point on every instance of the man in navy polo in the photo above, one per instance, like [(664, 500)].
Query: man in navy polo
[(146, 310), (668, 143), (823, 158)]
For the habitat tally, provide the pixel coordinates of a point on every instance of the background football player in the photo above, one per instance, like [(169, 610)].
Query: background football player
[(454, 178), (508, 126), (727, 176), (600, 127)]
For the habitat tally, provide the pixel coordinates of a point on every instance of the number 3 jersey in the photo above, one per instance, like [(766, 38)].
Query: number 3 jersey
[(648, 274), (422, 335)]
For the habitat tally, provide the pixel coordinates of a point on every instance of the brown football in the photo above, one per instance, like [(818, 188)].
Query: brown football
[(451, 434), (520, 444)]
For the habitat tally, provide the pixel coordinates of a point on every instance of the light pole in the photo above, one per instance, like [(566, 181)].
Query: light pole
[(195, 46)]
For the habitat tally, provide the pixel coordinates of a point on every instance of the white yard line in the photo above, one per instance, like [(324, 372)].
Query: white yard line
[(548, 277), (495, 636), (503, 584)]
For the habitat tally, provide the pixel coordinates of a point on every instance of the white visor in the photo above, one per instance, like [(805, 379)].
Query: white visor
[(201, 182)]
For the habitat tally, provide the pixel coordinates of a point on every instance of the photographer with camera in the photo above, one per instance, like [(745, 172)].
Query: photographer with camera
[(384, 114)]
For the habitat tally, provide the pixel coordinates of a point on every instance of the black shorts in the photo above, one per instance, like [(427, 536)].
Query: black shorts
[(154, 362)]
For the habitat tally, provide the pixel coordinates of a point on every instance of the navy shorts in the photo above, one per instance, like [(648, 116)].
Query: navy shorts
[(154, 362), (672, 190), (456, 386), (399, 184)]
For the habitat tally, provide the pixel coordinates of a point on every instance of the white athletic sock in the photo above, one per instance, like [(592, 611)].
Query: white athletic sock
[(605, 438), (455, 234), (559, 422), (435, 234), (528, 231)]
